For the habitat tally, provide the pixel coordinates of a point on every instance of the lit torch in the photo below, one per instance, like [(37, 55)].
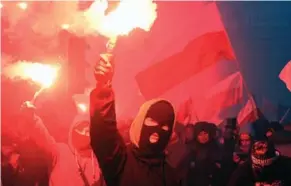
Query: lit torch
[(129, 14), (42, 74)]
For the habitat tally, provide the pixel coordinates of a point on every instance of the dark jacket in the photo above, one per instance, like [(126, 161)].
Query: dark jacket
[(203, 159), (33, 169), (35, 148), (278, 173), (122, 165)]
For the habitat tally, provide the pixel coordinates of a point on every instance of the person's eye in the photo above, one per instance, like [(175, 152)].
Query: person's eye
[(150, 122), (165, 128)]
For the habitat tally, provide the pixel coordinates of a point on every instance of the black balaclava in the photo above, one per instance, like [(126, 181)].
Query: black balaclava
[(261, 160), (163, 113)]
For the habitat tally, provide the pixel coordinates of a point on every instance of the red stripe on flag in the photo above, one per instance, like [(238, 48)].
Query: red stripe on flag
[(200, 53)]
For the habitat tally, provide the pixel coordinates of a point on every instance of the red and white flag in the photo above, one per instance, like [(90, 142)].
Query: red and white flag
[(175, 61), (249, 113), (208, 45), (227, 92), (199, 54), (285, 75)]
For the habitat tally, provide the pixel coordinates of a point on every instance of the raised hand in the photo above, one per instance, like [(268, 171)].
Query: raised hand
[(27, 111), (104, 69)]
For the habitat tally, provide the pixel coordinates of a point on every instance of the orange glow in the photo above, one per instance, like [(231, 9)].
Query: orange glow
[(22, 5), (42, 74), (65, 26), (82, 107), (128, 15)]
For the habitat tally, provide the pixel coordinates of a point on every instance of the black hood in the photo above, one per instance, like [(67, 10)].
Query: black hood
[(163, 113), (210, 128)]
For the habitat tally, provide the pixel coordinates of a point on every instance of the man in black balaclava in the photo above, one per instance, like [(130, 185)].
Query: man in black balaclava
[(265, 167), (142, 163)]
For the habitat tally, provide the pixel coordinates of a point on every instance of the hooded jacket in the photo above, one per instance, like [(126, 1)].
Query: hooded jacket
[(71, 168), (203, 167), (124, 165)]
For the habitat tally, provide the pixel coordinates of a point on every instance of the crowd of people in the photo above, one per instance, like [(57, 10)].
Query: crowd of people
[(156, 149)]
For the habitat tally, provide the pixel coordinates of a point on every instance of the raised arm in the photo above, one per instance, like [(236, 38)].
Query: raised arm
[(106, 141), (32, 126)]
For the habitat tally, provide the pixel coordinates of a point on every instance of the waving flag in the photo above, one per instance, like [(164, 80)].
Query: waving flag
[(208, 46), (249, 113), (285, 75), (224, 94), (227, 92), (196, 56)]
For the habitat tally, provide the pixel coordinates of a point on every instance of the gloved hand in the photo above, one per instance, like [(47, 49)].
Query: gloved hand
[(104, 70)]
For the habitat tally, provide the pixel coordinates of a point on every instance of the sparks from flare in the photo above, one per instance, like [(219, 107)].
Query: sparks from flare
[(128, 15)]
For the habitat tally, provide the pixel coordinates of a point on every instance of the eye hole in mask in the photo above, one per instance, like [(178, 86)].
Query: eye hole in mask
[(152, 123), (165, 128)]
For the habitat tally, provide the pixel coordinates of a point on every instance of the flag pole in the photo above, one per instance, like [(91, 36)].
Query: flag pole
[(284, 116)]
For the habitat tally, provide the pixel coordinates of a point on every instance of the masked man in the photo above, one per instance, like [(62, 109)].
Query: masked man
[(266, 167), (142, 163)]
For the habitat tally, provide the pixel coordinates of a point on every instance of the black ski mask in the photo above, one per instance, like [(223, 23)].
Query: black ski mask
[(153, 126)]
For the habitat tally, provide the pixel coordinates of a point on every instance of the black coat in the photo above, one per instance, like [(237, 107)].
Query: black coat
[(34, 167), (278, 172), (122, 165)]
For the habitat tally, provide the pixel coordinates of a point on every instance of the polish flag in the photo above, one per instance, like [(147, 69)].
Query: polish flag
[(249, 113), (208, 45), (227, 92), (224, 94)]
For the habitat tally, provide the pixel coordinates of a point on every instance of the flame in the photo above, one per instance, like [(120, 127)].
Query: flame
[(82, 107), (42, 74), (22, 5), (128, 15), (65, 26), (1, 5)]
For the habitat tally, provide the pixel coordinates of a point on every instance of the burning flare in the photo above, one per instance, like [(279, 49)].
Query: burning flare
[(129, 14), (22, 5), (82, 107), (42, 74)]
